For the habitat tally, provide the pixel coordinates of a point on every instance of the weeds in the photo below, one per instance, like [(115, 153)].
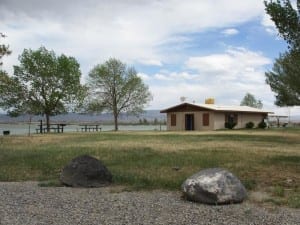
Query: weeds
[(278, 191), (294, 201), (146, 160)]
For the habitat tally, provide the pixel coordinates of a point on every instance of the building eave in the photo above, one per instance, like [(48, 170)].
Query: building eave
[(216, 108)]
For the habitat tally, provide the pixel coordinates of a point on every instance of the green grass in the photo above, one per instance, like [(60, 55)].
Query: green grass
[(278, 191), (267, 160), (294, 200)]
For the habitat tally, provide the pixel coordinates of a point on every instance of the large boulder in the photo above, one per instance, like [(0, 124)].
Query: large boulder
[(85, 171), (214, 186)]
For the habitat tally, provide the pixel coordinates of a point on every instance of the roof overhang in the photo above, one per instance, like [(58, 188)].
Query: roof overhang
[(278, 116), (183, 107), (210, 107)]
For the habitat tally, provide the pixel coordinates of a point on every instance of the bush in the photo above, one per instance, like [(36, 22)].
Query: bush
[(249, 184), (262, 125), (230, 125), (249, 125), (294, 201), (278, 191)]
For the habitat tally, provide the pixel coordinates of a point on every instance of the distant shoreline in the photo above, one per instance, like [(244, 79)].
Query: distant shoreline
[(23, 128), (150, 116)]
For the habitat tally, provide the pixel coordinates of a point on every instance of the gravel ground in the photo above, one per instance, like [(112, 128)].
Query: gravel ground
[(27, 203)]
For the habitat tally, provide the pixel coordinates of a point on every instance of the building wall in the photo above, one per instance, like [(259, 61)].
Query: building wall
[(244, 118), (198, 120), (216, 120), (219, 122), (179, 125)]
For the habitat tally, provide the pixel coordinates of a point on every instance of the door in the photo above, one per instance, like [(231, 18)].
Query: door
[(189, 121)]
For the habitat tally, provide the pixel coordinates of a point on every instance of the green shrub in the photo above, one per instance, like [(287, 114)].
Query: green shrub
[(294, 201), (262, 125), (230, 125), (278, 191), (249, 125), (250, 184)]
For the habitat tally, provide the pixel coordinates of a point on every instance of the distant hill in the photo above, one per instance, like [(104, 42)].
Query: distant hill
[(295, 118), (75, 118), (147, 116)]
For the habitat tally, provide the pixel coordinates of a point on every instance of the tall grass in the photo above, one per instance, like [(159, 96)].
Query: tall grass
[(261, 159)]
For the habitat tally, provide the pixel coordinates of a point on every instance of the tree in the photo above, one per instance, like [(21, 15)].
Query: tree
[(284, 79), (286, 19), (4, 49), (116, 88), (250, 100), (42, 84)]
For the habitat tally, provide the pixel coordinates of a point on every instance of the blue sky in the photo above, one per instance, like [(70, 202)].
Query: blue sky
[(193, 48)]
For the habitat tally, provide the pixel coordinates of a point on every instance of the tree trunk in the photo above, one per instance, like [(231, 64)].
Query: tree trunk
[(115, 109), (48, 122), (29, 125), (116, 121)]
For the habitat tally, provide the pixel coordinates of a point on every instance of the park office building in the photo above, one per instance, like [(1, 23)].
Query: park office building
[(188, 116)]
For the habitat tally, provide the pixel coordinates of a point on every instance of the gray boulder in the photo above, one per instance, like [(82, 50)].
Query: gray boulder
[(214, 186), (85, 171)]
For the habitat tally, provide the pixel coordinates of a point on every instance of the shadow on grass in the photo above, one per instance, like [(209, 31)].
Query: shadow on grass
[(284, 159)]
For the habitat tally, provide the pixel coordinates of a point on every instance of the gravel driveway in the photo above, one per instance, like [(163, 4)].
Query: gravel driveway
[(26, 203)]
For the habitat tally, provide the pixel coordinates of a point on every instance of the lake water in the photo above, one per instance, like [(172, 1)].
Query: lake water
[(23, 129)]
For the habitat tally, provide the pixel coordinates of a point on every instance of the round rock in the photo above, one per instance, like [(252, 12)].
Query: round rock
[(85, 171), (214, 186)]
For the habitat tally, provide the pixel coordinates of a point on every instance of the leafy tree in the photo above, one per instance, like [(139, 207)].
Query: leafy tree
[(116, 88), (10, 91), (145, 121), (4, 49), (250, 100), (284, 79), (42, 84), (286, 19)]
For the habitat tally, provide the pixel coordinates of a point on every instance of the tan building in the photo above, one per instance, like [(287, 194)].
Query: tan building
[(187, 116)]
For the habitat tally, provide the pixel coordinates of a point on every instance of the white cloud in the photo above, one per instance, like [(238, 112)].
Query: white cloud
[(175, 76), (225, 93), (138, 31), (230, 32), (162, 77), (269, 25), (234, 64), (144, 77), (131, 30), (227, 77), (152, 62)]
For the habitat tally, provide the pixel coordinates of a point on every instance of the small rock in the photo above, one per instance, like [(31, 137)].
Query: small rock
[(214, 186), (85, 171), (289, 181), (176, 168)]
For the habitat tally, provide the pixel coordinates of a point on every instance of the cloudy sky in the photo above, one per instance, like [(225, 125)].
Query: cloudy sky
[(192, 48)]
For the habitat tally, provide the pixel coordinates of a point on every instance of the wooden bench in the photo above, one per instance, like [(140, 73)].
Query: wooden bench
[(56, 127), (90, 127)]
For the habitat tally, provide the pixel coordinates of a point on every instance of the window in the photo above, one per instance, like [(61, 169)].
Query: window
[(173, 119), (205, 119)]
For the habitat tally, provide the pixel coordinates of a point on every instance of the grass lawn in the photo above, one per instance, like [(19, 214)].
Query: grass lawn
[(266, 161)]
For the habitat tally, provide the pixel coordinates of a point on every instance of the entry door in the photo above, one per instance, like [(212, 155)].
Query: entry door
[(189, 121)]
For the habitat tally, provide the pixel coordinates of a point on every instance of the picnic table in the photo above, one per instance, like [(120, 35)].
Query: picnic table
[(90, 127), (56, 127)]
